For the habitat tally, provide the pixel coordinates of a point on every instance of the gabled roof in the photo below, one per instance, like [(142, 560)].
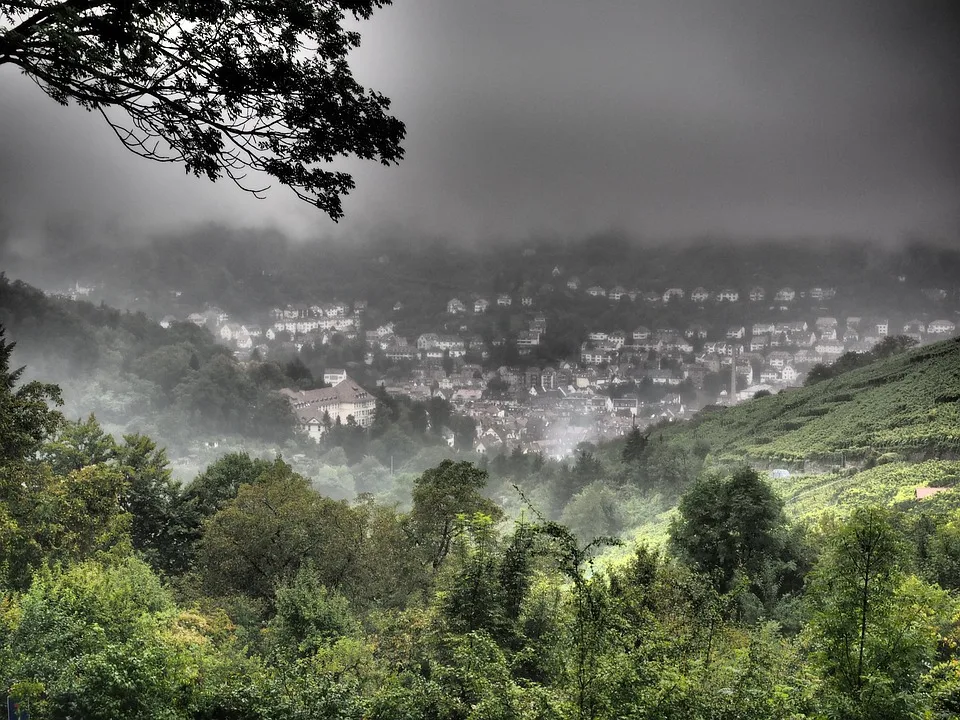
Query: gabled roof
[(309, 404)]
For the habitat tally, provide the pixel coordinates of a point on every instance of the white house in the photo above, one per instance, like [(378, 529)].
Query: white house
[(941, 327), (830, 348), (779, 359), (333, 376), (673, 294), (769, 375), (455, 307), (480, 305), (528, 339), (789, 374), (759, 342), (700, 295), (229, 331), (728, 295)]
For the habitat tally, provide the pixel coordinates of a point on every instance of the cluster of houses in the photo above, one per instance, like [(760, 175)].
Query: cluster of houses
[(783, 351), (553, 408), (548, 410), (700, 295), (77, 291), (294, 324), (481, 304)]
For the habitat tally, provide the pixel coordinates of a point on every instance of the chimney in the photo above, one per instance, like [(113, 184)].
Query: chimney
[(733, 376)]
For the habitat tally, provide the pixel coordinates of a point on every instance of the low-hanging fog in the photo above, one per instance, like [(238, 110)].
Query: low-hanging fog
[(556, 118)]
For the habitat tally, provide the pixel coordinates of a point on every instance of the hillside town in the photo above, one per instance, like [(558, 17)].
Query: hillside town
[(489, 356)]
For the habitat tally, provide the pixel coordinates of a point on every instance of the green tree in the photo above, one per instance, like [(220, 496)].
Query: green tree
[(391, 572), (151, 497), (873, 628), (77, 445), (595, 511), (440, 414), (273, 417), (589, 628), (299, 374), (266, 375), (635, 446), (103, 639), (419, 420), (587, 469), (219, 483), (48, 518), (441, 494), (308, 616), (270, 530), (166, 366), (26, 420), (472, 598), (386, 412), (943, 552), (465, 432), (201, 499), (222, 89), (730, 525)]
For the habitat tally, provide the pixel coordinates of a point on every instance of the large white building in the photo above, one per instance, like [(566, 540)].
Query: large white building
[(941, 327), (344, 400)]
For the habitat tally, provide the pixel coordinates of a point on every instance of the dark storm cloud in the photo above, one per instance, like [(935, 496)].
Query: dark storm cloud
[(660, 117)]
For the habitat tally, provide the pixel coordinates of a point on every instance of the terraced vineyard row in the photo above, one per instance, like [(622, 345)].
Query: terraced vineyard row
[(908, 405)]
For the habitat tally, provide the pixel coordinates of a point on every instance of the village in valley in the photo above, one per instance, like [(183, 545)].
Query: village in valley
[(645, 356)]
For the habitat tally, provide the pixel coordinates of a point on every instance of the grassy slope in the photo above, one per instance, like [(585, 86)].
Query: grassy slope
[(908, 405)]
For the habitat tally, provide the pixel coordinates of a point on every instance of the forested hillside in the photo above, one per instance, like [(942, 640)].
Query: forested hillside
[(246, 593), (190, 394), (869, 435), (173, 383)]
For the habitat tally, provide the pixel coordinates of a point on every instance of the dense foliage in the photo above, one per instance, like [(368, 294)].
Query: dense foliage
[(248, 594), (174, 383), (180, 388)]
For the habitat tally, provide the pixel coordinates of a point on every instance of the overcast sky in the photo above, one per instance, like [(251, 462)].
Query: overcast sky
[(537, 117)]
